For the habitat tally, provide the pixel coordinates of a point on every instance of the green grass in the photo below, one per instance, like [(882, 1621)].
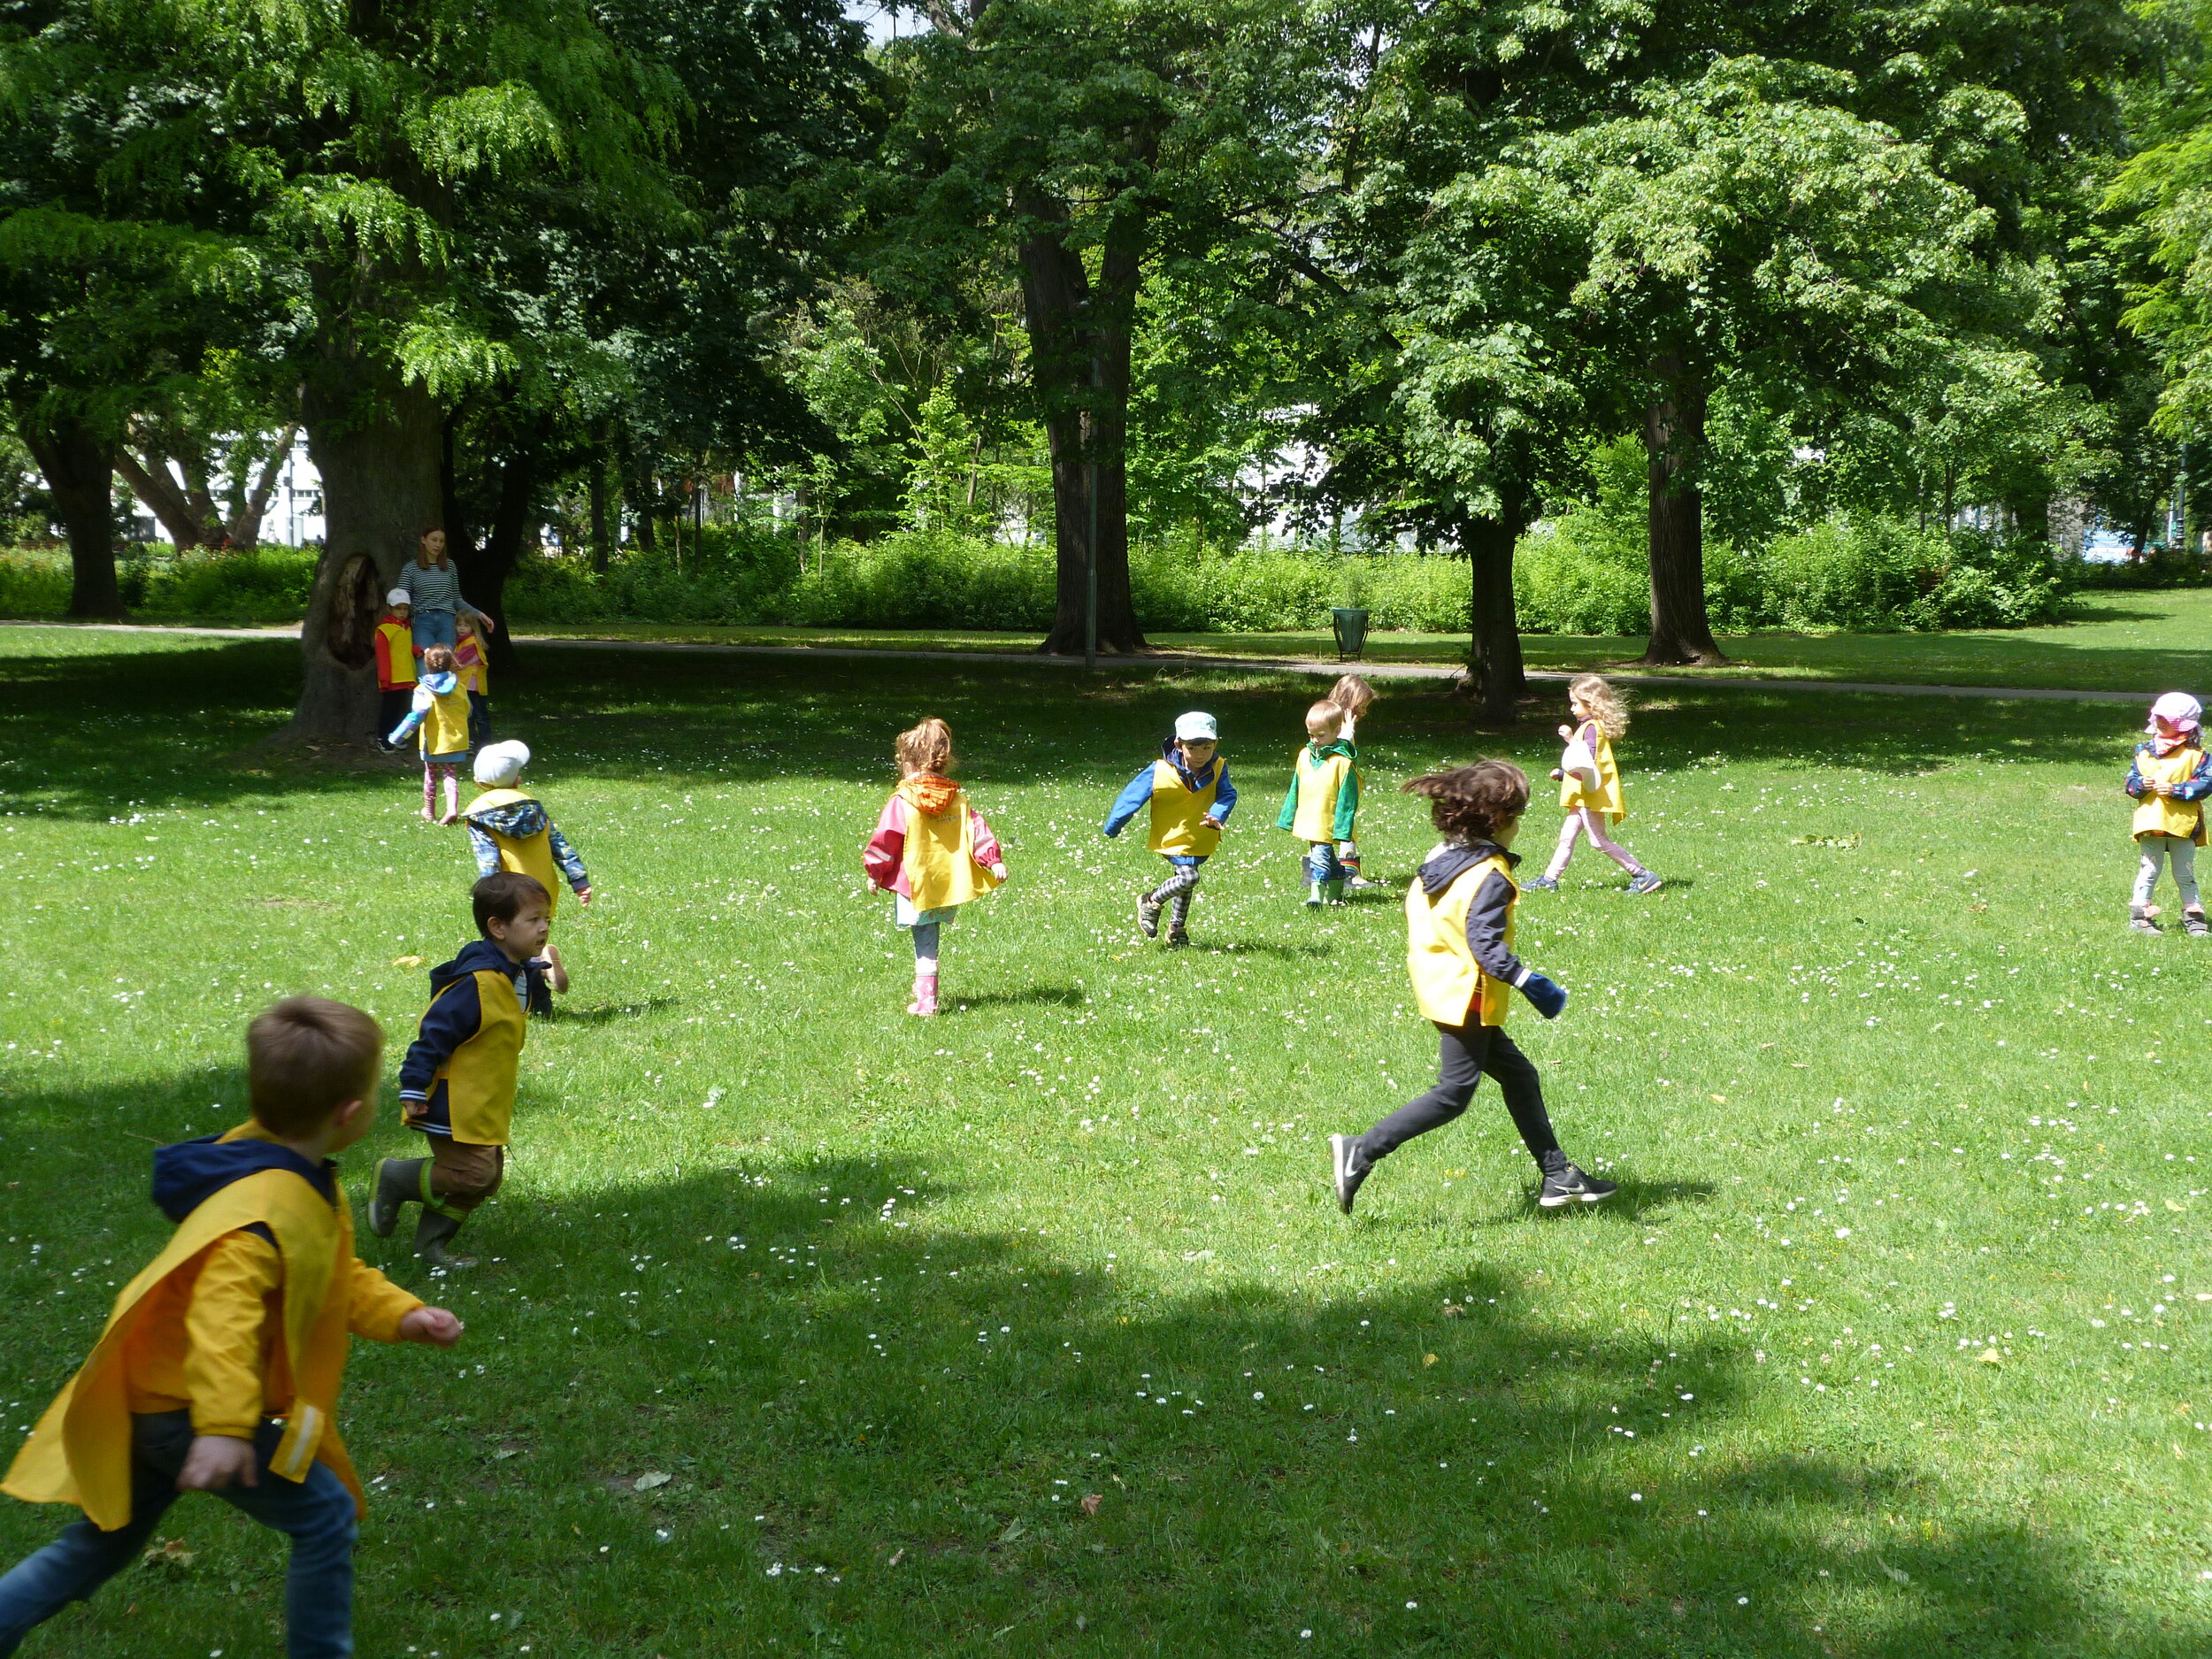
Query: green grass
[(1887, 1086)]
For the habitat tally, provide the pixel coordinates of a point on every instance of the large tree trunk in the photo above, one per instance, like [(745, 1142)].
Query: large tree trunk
[(601, 540), (1674, 441), (150, 482), (376, 443), (1494, 651), (1080, 346), (78, 466), (503, 551)]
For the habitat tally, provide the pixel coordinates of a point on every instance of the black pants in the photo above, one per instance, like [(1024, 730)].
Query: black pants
[(391, 709), (1470, 1051)]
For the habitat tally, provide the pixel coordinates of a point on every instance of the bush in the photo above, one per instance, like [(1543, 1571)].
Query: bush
[(269, 584), (1579, 575)]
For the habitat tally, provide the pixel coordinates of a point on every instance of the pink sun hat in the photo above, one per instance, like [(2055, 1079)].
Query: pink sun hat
[(2179, 709)]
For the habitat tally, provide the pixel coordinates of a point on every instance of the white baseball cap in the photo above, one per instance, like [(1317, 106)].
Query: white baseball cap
[(399, 597), (1196, 728), (499, 764)]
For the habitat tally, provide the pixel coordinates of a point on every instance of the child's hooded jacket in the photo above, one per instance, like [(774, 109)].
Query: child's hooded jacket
[(458, 1077), (1459, 935), (2189, 769), (395, 654), (930, 847), (441, 708), (245, 1314), (1324, 798), (508, 830), (1188, 808)]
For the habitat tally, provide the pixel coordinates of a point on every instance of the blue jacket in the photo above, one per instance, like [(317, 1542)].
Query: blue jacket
[(522, 819), (190, 1173), (450, 1021), (1139, 790)]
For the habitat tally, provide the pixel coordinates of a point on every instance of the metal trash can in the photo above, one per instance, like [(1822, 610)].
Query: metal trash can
[(1351, 633)]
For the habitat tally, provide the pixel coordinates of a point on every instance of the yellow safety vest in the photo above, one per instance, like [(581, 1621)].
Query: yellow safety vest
[(1448, 985), (80, 1452), (525, 854), (1606, 797), (445, 724), (940, 857), (479, 1075), (1319, 784), (2161, 815), (1179, 813)]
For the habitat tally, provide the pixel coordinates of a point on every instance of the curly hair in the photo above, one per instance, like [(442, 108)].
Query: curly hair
[(927, 747), (1471, 803), (1608, 707)]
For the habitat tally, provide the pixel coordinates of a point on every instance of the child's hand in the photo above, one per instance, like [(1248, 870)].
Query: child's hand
[(434, 1326), (1546, 996), (215, 1461), (1566, 732), (583, 895), (998, 873), (1214, 821), (1558, 776), (554, 972)]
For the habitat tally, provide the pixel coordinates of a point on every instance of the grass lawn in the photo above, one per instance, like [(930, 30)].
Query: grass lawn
[(2148, 641), (1893, 1344)]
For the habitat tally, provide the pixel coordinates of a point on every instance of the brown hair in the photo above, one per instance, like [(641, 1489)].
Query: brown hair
[(1470, 803), (439, 659), (1324, 720), (445, 553), (927, 747), (500, 897), (1607, 706), (1353, 695), (306, 1057)]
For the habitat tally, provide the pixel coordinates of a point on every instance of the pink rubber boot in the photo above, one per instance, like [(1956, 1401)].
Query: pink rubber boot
[(925, 995)]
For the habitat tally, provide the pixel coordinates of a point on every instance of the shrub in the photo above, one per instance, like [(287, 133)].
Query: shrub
[(1577, 575)]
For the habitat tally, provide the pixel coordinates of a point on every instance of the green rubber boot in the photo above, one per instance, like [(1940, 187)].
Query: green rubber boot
[(433, 1233), (398, 1181), (1332, 892)]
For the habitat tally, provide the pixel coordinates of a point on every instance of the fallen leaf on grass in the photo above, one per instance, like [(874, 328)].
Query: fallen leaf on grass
[(1989, 1356), (1015, 1528), (1428, 1359), (1897, 1575), (407, 962), (169, 1553), (1091, 1500), (1453, 1310), (897, 1557), (646, 1482)]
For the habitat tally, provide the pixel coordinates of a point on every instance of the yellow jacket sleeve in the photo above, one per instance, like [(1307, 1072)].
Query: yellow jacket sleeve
[(379, 1305), (223, 1333)]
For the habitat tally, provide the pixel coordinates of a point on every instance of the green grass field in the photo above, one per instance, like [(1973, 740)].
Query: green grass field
[(1891, 1345)]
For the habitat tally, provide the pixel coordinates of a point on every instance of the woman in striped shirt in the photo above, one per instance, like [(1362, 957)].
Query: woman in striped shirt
[(434, 588)]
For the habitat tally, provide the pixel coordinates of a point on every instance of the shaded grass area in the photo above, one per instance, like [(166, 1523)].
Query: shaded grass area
[(1887, 1088)]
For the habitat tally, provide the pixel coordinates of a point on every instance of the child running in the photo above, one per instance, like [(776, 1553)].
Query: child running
[(440, 711), (221, 1363), (1590, 784), (394, 664), (1353, 695), (930, 851), (456, 1086), (1459, 950), (1192, 798), (509, 829), (2168, 779), (1323, 800)]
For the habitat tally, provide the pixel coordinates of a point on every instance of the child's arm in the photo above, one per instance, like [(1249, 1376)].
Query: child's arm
[(485, 847), (1347, 804), (988, 852), (448, 1022), (572, 865), (222, 1363), (1224, 796), (1128, 803), (1486, 917), (383, 661), (378, 1310), (2195, 785), (418, 706), (2136, 786), (886, 850), (1288, 817)]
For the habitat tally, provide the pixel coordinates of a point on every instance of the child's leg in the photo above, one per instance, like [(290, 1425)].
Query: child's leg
[(2183, 853), (1593, 824), (928, 938), (317, 1515), (429, 791), (1320, 864), (1524, 1098), (1178, 903), (452, 778), (1566, 850), (83, 1558), (1346, 852), (457, 1176), (2152, 849), (479, 719), (1458, 1073)]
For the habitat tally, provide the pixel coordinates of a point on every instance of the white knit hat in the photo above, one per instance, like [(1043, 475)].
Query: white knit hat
[(399, 597), (1196, 728), (499, 764)]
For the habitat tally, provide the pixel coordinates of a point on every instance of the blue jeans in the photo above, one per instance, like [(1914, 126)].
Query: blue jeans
[(1322, 863), (431, 627), (317, 1514)]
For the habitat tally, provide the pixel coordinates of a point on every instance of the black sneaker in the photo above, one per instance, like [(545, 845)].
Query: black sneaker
[(1149, 917), (1346, 1177), (1177, 939), (1570, 1185)]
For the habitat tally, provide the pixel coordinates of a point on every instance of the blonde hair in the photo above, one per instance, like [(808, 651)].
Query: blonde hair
[(1353, 695), (1324, 720), (927, 747), (1606, 705)]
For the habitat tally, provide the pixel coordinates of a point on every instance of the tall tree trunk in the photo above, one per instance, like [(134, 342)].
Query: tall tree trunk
[(78, 466), (1494, 650), (244, 530), (601, 539), (503, 551), (1674, 442), (377, 444)]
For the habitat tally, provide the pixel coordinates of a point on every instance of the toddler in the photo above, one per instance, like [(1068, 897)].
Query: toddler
[(1323, 799), (394, 664), (2168, 779), (930, 851), (1590, 784), (1192, 798), (440, 711), (1353, 695), (509, 828), (476, 678)]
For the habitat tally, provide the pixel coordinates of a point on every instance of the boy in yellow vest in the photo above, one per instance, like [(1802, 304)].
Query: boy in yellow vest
[(509, 829), (440, 710), (220, 1366), (1459, 950), (2168, 778), (1323, 801), (395, 663), (930, 851), (456, 1086), (1191, 797)]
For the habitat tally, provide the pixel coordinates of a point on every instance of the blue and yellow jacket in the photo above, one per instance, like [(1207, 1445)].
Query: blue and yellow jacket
[(1179, 828), (2188, 769), (1324, 798), (509, 816), (458, 1079)]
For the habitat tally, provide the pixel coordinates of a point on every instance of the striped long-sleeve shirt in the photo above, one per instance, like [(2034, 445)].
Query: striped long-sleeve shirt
[(433, 587)]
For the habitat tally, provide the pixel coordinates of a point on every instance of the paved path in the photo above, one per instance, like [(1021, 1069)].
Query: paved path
[(1165, 661)]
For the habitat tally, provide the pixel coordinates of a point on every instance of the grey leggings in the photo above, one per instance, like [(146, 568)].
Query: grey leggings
[(2157, 849), (926, 940)]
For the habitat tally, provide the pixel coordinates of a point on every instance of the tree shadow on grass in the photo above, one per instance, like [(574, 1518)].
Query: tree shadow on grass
[(879, 1432), (1050, 996)]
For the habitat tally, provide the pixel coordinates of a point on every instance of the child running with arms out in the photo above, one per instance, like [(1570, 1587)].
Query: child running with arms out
[(930, 851), (456, 1086), (509, 828), (2167, 779), (1191, 797), (1353, 695), (220, 1367), (439, 713), (1323, 800), (1590, 784), (1459, 951)]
